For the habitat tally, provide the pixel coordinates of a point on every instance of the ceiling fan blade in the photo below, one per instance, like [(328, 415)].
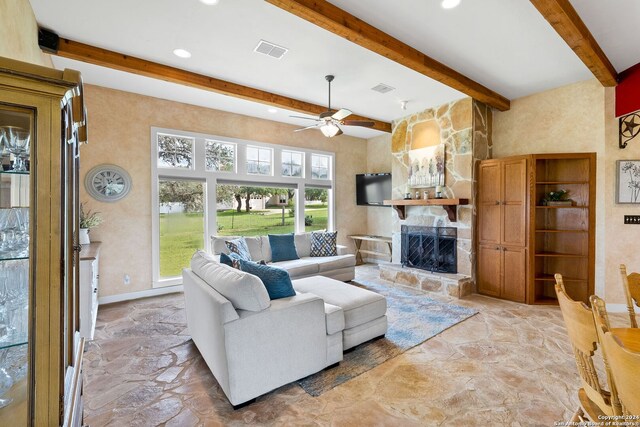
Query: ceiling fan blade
[(308, 127), (339, 132), (341, 114), (363, 123), (303, 117)]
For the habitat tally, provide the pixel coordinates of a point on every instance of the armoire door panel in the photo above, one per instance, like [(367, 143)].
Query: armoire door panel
[(514, 283), (489, 183), (489, 270), (514, 202), (489, 229)]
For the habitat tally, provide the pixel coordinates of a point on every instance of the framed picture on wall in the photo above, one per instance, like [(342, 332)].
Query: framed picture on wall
[(628, 181)]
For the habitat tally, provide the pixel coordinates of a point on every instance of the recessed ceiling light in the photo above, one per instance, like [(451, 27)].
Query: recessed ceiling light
[(449, 4), (272, 110), (181, 53), (209, 2)]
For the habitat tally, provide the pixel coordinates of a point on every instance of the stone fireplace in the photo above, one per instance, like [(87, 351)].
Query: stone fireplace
[(429, 248), (464, 128)]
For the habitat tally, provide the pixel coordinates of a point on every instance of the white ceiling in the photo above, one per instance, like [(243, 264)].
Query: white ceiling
[(505, 45)]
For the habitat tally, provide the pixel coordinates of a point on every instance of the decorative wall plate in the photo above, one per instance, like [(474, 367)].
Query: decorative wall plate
[(107, 183)]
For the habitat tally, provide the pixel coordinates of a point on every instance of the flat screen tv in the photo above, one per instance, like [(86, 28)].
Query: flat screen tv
[(373, 188)]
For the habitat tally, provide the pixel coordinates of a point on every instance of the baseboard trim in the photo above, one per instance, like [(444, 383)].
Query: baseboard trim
[(620, 308), (141, 294)]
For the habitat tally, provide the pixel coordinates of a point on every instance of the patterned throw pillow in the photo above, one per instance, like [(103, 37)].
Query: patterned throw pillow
[(239, 246), (324, 244)]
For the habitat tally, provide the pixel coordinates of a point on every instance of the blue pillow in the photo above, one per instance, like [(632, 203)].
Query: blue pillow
[(283, 247), (239, 246), (231, 260), (276, 280)]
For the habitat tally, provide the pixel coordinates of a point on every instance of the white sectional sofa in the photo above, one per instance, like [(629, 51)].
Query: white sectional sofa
[(340, 267), (254, 345)]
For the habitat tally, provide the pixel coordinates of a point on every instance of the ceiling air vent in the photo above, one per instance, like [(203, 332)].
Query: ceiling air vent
[(270, 49), (383, 88)]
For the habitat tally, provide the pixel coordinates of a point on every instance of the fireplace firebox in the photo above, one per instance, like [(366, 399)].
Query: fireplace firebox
[(429, 248)]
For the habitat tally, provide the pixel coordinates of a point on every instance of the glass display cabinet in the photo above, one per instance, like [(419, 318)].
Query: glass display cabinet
[(42, 122)]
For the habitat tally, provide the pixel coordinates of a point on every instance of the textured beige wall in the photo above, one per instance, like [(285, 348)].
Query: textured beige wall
[(19, 33), (379, 219), (119, 133), (567, 119), (622, 241)]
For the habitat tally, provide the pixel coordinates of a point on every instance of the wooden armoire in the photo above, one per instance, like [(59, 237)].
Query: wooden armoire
[(524, 240)]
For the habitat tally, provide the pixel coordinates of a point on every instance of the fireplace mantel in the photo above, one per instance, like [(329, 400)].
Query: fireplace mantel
[(449, 205)]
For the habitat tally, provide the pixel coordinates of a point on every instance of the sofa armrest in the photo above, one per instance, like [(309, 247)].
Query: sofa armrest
[(276, 346), (342, 250)]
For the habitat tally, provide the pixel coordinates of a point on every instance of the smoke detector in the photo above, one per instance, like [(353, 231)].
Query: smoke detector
[(273, 50)]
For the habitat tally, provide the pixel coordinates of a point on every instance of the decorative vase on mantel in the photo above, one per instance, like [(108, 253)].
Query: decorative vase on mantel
[(83, 236)]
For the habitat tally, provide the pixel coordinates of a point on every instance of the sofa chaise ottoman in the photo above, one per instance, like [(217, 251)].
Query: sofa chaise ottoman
[(364, 311)]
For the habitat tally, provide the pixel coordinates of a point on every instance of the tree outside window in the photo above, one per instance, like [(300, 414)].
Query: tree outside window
[(220, 156), (175, 151)]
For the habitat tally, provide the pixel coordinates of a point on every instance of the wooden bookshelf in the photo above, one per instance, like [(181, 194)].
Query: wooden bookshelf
[(562, 237)]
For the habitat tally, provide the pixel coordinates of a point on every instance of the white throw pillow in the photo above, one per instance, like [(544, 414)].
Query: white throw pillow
[(245, 291), (303, 244)]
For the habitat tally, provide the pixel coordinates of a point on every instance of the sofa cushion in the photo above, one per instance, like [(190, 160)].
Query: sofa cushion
[(299, 267), (334, 318), (358, 305), (276, 280), (303, 244), (254, 243), (330, 263), (245, 291), (283, 247), (240, 248), (324, 244)]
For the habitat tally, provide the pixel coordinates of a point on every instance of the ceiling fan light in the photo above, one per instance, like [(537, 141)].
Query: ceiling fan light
[(329, 130)]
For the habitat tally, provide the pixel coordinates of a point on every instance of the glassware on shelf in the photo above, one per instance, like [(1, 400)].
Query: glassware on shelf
[(17, 140), (14, 232), (6, 381)]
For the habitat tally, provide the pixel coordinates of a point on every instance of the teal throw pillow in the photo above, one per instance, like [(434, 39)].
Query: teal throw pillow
[(283, 247), (275, 279), (232, 260), (239, 246), (324, 244)]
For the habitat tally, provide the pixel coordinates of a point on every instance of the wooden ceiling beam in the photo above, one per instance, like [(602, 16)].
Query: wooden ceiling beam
[(568, 24), (343, 24), (118, 61)]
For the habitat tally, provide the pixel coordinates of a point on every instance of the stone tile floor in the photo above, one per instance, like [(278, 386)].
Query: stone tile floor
[(509, 365)]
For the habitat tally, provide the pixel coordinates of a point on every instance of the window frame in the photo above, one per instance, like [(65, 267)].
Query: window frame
[(282, 163), (258, 161), (329, 166), (193, 154), (212, 178), (234, 168)]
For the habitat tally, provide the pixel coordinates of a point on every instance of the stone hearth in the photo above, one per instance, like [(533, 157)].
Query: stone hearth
[(455, 285)]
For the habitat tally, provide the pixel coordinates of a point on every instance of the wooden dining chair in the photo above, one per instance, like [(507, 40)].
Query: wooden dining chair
[(594, 400), (622, 363), (631, 285)]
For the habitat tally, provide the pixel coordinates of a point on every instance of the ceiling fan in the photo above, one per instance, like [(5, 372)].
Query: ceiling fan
[(328, 121)]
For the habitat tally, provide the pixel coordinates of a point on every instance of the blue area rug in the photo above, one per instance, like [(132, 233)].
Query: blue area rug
[(413, 318)]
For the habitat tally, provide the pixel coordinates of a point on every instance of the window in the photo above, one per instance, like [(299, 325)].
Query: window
[(204, 185), (181, 223), (259, 160), (220, 156), (175, 151), (320, 166), (254, 211), (292, 163), (316, 209)]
